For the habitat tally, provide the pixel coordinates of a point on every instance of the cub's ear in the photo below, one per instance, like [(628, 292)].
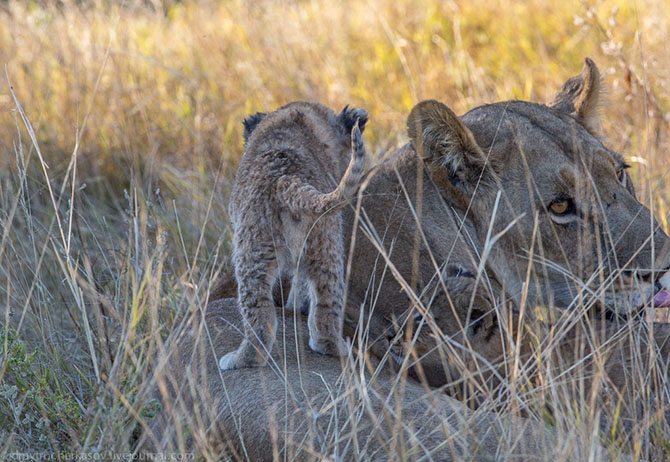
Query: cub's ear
[(251, 122), (580, 95), (347, 118), (444, 143)]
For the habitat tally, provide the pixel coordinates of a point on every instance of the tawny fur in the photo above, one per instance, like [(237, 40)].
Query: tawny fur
[(301, 165)]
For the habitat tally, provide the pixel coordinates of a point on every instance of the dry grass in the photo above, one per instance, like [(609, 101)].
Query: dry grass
[(113, 205)]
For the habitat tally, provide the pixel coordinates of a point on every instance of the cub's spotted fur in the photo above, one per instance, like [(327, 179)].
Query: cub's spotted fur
[(301, 164)]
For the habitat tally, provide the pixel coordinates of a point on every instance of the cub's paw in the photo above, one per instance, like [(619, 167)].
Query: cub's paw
[(229, 361), (336, 347), (240, 359)]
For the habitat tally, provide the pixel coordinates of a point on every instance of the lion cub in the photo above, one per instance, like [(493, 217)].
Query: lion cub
[(301, 164)]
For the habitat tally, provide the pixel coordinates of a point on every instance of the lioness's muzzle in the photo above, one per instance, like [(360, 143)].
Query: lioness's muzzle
[(662, 297)]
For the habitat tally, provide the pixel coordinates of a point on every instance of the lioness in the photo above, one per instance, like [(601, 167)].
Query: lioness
[(283, 211), (482, 218)]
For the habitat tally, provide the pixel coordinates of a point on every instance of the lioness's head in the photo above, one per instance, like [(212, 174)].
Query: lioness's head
[(554, 209)]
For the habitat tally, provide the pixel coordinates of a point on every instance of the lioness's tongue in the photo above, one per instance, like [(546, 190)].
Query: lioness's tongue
[(662, 299)]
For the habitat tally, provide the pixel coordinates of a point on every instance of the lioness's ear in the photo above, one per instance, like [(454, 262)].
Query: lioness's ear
[(349, 115), (251, 122), (579, 97), (440, 138)]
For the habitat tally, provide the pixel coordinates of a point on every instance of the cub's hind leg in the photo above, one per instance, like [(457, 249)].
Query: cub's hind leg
[(256, 273), (324, 267)]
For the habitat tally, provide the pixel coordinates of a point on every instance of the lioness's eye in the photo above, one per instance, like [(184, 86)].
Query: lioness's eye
[(560, 206)]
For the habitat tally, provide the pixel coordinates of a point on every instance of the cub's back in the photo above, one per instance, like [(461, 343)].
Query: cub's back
[(301, 140)]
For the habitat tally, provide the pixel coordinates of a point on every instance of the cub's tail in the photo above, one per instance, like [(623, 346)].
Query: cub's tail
[(302, 198), (352, 178)]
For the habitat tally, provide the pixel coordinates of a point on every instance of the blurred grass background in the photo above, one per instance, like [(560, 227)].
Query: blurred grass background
[(136, 108)]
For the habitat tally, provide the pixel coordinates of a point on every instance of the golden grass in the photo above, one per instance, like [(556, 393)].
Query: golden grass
[(138, 109), (175, 83)]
